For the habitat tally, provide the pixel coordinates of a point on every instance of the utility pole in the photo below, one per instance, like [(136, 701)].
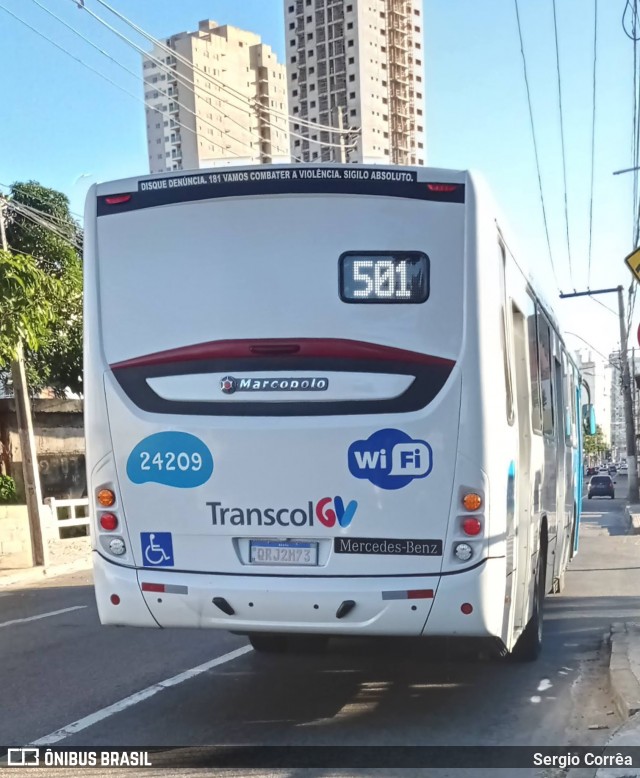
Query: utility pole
[(633, 495), (30, 474)]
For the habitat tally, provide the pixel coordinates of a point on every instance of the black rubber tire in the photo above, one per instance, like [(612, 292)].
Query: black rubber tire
[(589, 497), (268, 643), (529, 644)]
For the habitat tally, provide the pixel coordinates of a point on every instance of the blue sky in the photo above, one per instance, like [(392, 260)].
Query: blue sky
[(66, 127)]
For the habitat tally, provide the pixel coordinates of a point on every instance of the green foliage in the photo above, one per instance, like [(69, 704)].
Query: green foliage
[(54, 352), (7, 490), (28, 299), (595, 444)]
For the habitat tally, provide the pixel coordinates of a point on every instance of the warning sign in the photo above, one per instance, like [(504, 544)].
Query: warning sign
[(633, 262)]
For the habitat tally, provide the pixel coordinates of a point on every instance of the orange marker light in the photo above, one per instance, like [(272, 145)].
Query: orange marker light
[(106, 497), (472, 501)]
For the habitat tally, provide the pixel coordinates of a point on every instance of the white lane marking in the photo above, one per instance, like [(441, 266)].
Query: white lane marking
[(544, 684), (134, 699), (535, 699), (42, 616)]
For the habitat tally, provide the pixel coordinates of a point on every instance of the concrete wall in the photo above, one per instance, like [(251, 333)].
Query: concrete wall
[(59, 434), (15, 539)]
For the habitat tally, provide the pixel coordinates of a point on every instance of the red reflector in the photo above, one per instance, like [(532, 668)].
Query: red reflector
[(108, 521), (420, 594), (472, 526), (115, 600), (442, 187), (466, 608), (151, 587), (117, 199)]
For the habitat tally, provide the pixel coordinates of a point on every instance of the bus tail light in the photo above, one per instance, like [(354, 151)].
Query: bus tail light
[(106, 497), (472, 526), (115, 600), (108, 521), (472, 501), (463, 551), (466, 608)]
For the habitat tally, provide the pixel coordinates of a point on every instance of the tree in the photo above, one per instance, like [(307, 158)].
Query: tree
[(595, 445), (28, 299), (40, 225)]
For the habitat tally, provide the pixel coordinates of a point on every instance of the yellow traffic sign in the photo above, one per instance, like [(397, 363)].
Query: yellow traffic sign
[(633, 262)]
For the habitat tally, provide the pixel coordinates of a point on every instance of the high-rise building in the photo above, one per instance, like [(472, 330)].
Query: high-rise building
[(221, 95), (356, 63)]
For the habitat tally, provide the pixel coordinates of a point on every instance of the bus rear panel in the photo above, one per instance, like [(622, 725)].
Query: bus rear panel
[(273, 397)]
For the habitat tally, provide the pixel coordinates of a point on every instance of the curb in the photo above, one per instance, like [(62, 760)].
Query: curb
[(624, 683), (31, 574), (633, 514)]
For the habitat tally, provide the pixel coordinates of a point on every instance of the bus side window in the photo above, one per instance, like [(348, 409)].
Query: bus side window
[(507, 339), (534, 372), (546, 381)]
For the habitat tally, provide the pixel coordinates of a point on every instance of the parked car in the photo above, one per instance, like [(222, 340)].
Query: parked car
[(601, 486)]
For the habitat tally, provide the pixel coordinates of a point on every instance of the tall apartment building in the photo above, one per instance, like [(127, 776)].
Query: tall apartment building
[(358, 63), (215, 99)]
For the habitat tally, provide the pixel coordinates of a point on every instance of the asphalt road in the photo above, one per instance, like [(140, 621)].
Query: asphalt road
[(65, 668)]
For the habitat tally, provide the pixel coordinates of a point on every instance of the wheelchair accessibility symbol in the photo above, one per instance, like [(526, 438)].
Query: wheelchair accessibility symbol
[(157, 549)]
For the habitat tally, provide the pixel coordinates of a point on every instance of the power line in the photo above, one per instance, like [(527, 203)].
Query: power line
[(25, 213), (634, 10), (138, 77), (34, 195), (233, 92), (564, 160), (595, 300), (535, 144), (593, 132), (591, 346), (92, 69)]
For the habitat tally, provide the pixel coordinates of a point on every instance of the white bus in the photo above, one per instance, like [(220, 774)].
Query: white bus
[(321, 401)]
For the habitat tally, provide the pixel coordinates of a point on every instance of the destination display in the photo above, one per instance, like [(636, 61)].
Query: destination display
[(384, 278)]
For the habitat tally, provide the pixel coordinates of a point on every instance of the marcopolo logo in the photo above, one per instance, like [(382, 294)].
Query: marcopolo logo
[(171, 458), (328, 511), (390, 459), (230, 385)]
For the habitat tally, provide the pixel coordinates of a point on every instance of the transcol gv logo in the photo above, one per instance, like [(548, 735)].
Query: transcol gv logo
[(390, 459), (329, 511)]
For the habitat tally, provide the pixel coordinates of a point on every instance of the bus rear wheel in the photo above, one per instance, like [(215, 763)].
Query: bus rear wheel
[(529, 644)]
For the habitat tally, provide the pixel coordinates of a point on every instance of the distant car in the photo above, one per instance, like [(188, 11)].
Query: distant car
[(603, 468), (592, 470), (624, 467), (613, 469), (601, 486)]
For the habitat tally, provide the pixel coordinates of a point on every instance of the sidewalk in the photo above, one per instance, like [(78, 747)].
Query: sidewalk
[(624, 677), (27, 575)]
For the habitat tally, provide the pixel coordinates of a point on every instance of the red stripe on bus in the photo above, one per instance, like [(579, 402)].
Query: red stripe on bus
[(329, 348), (152, 587)]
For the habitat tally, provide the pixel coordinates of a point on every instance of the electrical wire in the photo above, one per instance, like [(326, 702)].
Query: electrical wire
[(535, 144), (157, 88), (591, 346), (595, 300), (634, 10), (593, 134), (25, 213), (97, 72), (191, 84), (564, 158), (233, 92), (35, 196)]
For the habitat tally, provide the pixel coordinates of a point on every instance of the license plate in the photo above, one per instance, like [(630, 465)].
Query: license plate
[(282, 552)]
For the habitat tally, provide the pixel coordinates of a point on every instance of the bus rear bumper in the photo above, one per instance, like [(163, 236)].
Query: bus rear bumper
[(407, 606)]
